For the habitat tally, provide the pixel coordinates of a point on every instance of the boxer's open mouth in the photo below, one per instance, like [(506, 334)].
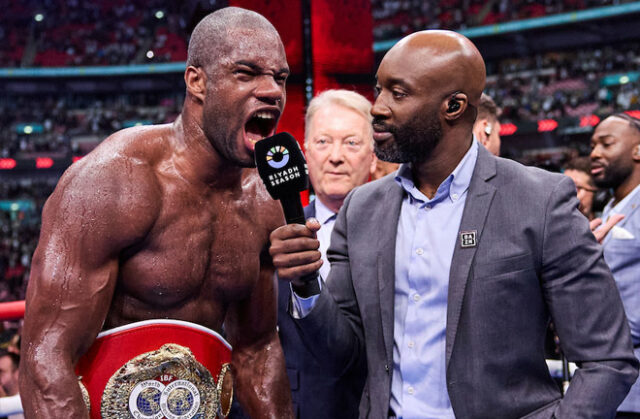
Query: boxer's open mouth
[(260, 125)]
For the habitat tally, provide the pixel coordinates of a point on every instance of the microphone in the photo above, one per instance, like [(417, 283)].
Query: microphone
[(283, 170)]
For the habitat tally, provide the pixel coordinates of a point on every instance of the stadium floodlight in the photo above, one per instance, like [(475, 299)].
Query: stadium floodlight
[(28, 129), (150, 54), (624, 79), (39, 17), (159, 14)]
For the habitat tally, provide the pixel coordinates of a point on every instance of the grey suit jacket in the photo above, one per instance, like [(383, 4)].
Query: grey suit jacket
[(534, 259)]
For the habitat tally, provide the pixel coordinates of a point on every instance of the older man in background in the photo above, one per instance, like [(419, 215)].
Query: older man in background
[(339, 150)]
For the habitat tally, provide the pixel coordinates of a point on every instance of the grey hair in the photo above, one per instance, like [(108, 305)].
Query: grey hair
[(346, 98)]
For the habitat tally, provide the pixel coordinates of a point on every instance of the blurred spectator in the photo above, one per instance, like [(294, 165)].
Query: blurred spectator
[(9, 362), (383, 168), (615, 158), (579, 170), (487, 127), (9, 374)]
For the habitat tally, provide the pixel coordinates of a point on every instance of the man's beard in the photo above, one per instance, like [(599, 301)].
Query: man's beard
[(412, 142), (614, 176)]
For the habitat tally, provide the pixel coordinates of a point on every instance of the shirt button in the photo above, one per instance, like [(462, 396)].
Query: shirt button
[(454, 196), (410, 344), (419, 251), (410, 390), (416, 297)]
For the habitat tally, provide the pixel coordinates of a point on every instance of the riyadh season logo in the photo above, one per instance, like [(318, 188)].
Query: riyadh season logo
[(278, 157)]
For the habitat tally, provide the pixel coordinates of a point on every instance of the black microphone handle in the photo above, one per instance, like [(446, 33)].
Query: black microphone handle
[(292, 206), (294, 214)]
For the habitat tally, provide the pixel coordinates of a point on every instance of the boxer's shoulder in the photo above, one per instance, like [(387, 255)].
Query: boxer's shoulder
[(113, 182), (269, 209)]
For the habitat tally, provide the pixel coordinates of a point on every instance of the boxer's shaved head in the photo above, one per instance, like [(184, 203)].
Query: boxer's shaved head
[(210, 38)]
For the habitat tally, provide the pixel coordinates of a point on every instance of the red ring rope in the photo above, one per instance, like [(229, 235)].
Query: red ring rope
[(12, 310)]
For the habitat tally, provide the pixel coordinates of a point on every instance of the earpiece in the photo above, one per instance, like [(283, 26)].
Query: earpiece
[(487, 129), (453, 106)]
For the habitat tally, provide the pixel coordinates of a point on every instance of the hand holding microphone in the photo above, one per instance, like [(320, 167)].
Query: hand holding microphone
[(294, 247)]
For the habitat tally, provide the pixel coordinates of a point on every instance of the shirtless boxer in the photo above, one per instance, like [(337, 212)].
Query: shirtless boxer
[(169, 222)]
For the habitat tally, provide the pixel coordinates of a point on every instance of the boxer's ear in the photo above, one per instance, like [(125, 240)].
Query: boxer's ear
[(196, 80)]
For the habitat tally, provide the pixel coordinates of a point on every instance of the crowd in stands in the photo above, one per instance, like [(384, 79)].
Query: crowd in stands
[(19, 231), (559, 84), (64, 119), (82, 32), (397, 18)]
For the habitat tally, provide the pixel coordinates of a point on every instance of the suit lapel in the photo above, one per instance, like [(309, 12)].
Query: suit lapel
[(393, 195), (310, 210), (475, 212), (632, 206)]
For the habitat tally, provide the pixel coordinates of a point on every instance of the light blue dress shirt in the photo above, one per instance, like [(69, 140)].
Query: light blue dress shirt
[(427, 235), (621, 249), (327, 219)]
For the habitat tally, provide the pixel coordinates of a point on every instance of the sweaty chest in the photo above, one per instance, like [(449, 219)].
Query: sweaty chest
[(197, 249)]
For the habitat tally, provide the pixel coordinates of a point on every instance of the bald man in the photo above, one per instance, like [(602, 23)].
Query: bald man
[(167, 224), (446, 276)]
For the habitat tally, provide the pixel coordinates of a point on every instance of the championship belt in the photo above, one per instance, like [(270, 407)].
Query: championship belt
[(157, 369)]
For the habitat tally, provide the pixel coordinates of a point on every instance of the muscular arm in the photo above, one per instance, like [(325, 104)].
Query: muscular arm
[(92, 215), (587, 312), (258, 361)]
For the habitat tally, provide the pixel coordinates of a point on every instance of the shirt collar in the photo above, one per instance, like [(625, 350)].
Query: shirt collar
[(452, 187), (620, 206), (323, 214)]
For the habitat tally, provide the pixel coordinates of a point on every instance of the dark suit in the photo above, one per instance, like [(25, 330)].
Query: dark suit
[(315, 391), (534, 259)]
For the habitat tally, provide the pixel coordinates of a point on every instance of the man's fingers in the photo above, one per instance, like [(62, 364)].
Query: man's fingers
[(313, 224), (293, 274), (293, 245), (289, 231), (287, 260), (602, 231), (593, 224), (294, 250)]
